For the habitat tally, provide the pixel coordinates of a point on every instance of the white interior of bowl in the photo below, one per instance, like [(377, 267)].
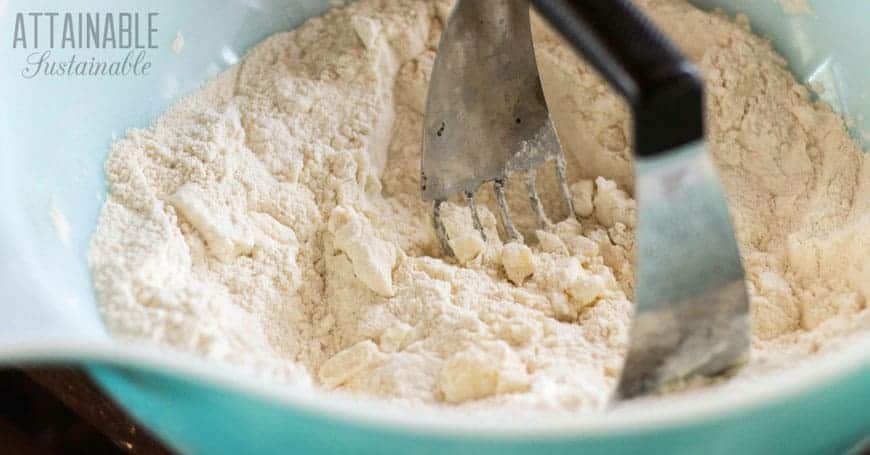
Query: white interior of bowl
[(55, 134)]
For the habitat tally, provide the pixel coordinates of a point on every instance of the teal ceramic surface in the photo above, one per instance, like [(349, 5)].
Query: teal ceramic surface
[(55, 133)]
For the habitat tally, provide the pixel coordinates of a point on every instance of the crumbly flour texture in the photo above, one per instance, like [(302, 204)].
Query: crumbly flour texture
[(273, 220)]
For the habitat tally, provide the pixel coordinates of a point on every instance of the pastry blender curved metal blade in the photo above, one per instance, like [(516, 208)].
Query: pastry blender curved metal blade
[(692, 308)]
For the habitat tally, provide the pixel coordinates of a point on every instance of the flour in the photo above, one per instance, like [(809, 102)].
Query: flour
[(796, 7), (273, 222), (59, 222), (178, 43)]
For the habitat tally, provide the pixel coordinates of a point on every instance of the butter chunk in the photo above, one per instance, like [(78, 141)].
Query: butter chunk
[(219, 226), (373, 259), (467, 248), (613, 205), (585, 289), (551, 243), (518, 262), (581, 195), (344, 365), (479, 372), (577, 289)]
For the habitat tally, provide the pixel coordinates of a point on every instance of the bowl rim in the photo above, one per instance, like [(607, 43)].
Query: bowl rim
[(643, 414)]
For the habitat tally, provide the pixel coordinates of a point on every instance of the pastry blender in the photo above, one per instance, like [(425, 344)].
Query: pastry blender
[(486, 119)]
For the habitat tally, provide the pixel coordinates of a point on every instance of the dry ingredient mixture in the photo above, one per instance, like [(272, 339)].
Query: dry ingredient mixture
[(273, 221)]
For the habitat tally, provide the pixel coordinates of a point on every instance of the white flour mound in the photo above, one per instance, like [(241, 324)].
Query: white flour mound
[(273, 222)]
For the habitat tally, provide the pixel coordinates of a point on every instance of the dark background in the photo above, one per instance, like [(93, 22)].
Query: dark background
[(61, 411)]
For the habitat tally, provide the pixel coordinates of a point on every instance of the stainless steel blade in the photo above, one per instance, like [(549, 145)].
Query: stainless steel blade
[(692, 309), (485, 112)]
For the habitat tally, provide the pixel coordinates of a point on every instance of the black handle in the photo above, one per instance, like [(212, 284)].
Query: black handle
[(664, 89)]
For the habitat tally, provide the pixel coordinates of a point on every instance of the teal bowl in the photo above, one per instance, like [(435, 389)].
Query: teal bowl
[(55, 133)]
